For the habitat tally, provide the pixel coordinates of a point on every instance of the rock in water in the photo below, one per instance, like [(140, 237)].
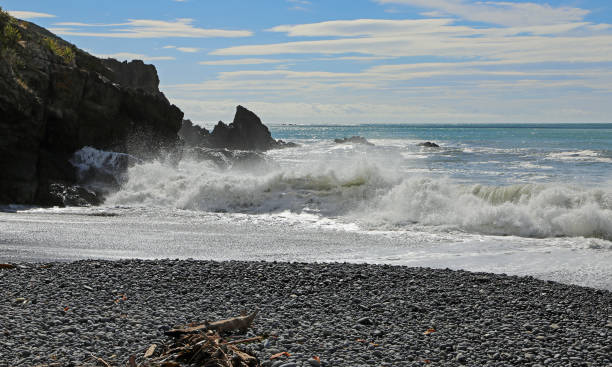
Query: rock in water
[(246, 132), (69, 195), (55, 99), (428, 144)]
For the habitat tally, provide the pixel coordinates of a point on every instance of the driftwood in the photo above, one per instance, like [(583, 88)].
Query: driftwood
[(208, 350), (235, 323), (150, 351)]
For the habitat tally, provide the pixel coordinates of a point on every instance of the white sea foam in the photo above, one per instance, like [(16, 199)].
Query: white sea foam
[(373, 194), (545, 210), (579, 155)]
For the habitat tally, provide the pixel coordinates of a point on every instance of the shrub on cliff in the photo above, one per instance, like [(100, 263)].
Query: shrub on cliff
[(9, 33), (65, 52)]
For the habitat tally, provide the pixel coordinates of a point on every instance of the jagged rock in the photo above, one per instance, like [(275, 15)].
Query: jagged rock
[(428, 144), (194, 135), (246, 132), (134, 74), (64, 194), (353, 139), (56, 99)]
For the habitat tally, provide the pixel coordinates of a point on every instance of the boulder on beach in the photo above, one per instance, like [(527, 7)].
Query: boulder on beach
[(428, 144), (354, 140)]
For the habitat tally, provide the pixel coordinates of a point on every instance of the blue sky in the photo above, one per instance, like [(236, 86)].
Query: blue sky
[(357, 61)]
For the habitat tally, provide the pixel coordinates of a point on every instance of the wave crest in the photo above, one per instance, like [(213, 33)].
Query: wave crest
[(362, 192)]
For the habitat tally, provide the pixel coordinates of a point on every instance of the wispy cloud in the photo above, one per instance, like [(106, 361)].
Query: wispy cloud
[(569, 42), (499, 12), (361, 27), (183, 49), (21, 14), (133, 56), (147, 28), (243, 62), (301, 5)]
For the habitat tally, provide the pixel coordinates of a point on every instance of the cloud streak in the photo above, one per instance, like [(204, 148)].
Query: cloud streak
[(147, 28), (498, 12), (21, 14), (246, 61)]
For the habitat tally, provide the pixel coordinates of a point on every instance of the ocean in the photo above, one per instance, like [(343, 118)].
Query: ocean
[(522, 199)]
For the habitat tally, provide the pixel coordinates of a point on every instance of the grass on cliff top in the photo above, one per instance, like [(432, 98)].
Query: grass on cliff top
[(9, 33), (65, 52)]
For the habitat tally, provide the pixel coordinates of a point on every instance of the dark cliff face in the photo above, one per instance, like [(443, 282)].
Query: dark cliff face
[(56, 99)]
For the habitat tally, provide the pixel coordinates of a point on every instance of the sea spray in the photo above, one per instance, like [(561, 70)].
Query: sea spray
[(371, 193), (101, 170), (543, 210), (202, 185)]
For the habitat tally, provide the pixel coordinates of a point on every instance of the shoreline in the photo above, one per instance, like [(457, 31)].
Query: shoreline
[(347, 314)]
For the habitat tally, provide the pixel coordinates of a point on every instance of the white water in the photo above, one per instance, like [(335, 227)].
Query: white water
[(362, 192), (326, 202)]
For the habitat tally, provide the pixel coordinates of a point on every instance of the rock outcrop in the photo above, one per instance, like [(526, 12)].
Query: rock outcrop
[(246, 132), (56, 99), (428, 144)]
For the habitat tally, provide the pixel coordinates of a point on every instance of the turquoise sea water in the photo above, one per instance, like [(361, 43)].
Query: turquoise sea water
[(492, 154)]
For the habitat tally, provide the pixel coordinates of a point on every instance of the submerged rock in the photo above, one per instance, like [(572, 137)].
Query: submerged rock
[(55, 99), (428, 144), (354, 140)]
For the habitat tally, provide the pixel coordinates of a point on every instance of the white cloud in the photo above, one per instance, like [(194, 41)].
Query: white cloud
[(568, 42), (361, 27), (182, 49), (499, 12), (132, 56), (243, 62), (147, 28), (188, 49), (29, 14), (301, 5)]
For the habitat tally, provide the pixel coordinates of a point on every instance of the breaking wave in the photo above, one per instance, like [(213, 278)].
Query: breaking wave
[(374, 196)]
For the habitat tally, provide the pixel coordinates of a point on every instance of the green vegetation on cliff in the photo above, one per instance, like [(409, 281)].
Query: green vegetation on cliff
[(9, 33), (65, 52)]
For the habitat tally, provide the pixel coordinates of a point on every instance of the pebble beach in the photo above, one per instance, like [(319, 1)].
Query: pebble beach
[(62, 314)]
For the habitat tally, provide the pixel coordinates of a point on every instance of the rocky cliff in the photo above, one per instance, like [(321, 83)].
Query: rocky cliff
[(56, 99)]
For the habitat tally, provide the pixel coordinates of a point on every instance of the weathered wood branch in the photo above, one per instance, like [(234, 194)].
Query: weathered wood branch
[(235, 323)]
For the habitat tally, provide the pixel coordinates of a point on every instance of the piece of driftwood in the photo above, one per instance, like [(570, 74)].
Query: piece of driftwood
[(235, 323), (150, 351)]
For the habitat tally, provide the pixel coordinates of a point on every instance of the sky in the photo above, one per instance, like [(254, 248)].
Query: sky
[(357, 61)]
